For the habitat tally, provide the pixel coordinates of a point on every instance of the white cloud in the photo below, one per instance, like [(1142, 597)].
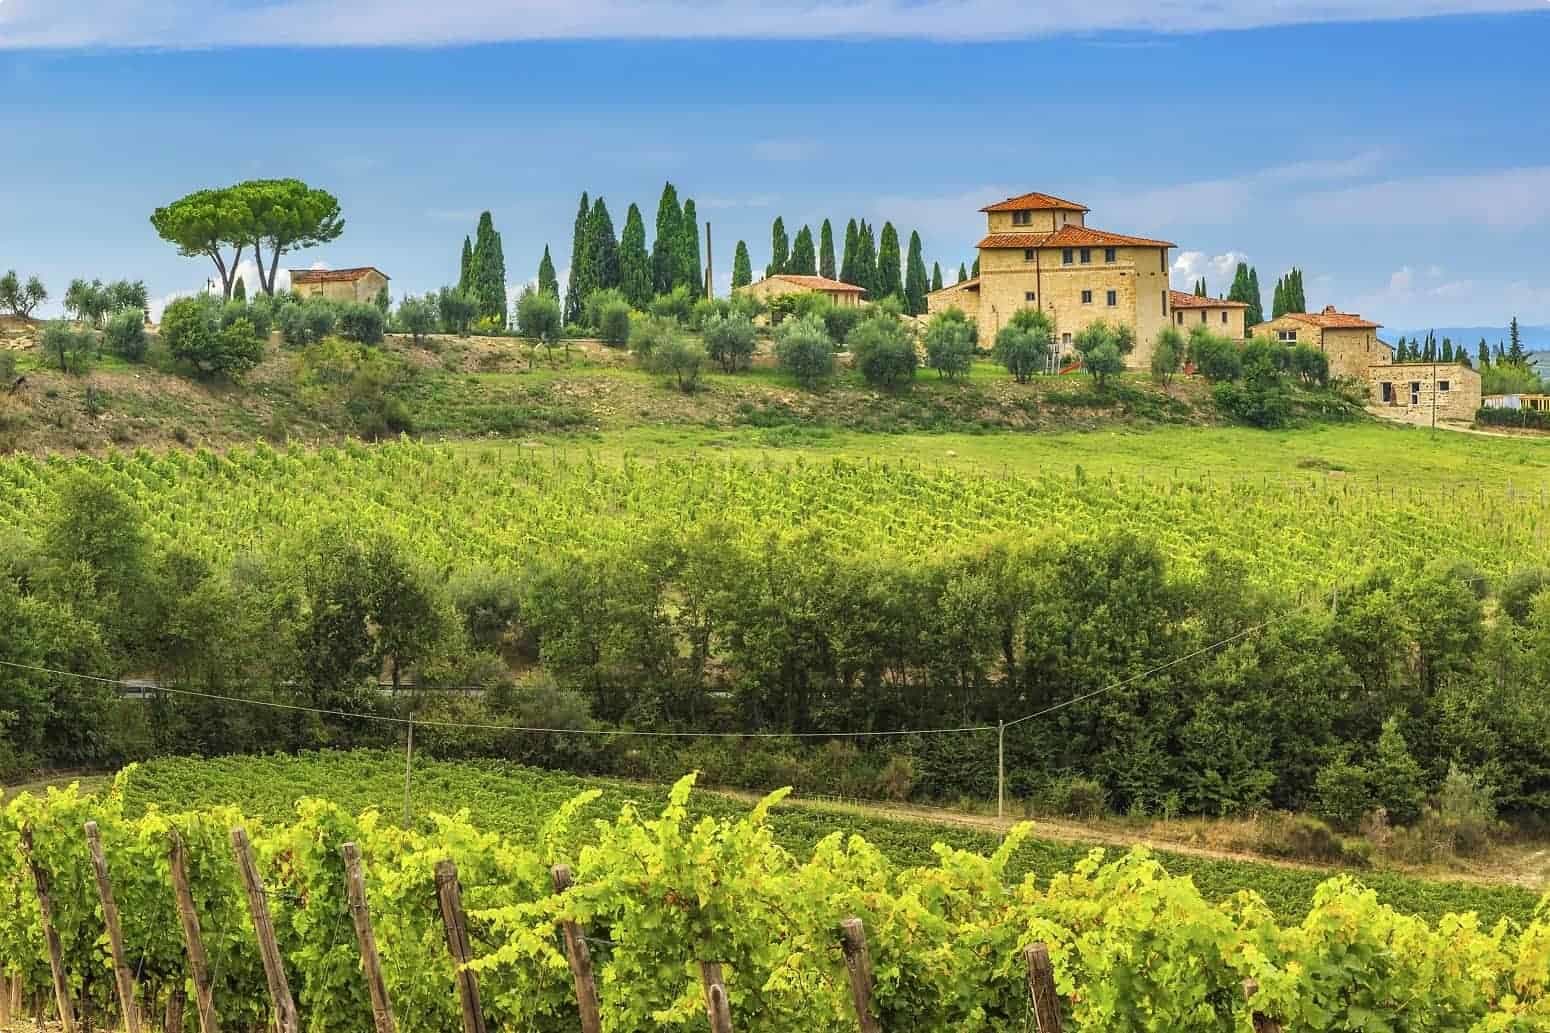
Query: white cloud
[(1500, 199), (312, 23), (1218, 270), (721, 203), (1406, 299)]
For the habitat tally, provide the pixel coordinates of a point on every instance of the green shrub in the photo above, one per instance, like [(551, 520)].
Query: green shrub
[(675, 306), (593, 305), (840, 320), (69, 348), (614, 322), (456, 310), (1023, 345), (1215, 358), (361, 322), (803, 349), (1167, 354), (883, 352), (648, 333), (539, 316), (319, 318), (417, 317), (729, 340), (706, 309), (678, 357), (1466, 808), (292, 322), (1103, 349), (1263, 406), (1343, 793), (1076, 797), (1517, 594), (1310, 365), (124, 334), (949, 339)]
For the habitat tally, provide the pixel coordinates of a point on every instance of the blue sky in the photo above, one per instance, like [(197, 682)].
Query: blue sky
[(1403, 163)]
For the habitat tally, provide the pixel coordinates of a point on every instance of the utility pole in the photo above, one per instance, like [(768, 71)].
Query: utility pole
[(1000, 770), (710, 289)]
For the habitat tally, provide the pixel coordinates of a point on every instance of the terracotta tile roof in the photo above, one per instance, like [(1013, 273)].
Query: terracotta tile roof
[(334, 275), (1178, 299), (969, 284), (819, 283), (1069, 236), (1329, 319), (1033, 202)]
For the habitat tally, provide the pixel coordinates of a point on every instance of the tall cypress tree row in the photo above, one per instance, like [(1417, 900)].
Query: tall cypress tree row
[(1483, 353), (574, 285), (665, 261), (465, 270), (1446, 355), (963, 274), (915, 283), (634, 262), (779, 248), (602, 248), (742, 268), (547, 281), (1256, 302), (866, 260), (826, 250), (1278, 299), (691, 272), (975, 272), (803, 260), (890, 278), (1200, 287), (936, 276), (848, 263)]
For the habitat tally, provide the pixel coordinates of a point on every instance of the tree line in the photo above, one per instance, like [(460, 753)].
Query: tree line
[(869, 261)]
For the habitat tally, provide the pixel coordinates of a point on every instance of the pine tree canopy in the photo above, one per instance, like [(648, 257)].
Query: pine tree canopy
[(602, 249), (848, 262), (936, 276), (963, 274), (465, 269)]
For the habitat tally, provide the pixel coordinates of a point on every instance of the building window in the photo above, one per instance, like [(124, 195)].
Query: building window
[(1065, 338), (1165, 305), (1388, 392), (1113, 298), (1415, 392), (1028, 297), (1030, 254), (1067, 256), (1181, 318), (1442, 386), (1286, 336), (1162, 256), (1022, 218), (1110, 255), (1087, 297), (1087, 255), (1224, 318), (1202, 315)]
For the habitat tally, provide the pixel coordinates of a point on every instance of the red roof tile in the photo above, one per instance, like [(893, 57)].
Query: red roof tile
[(334, 275), (1033, 202), (1178, 299), (819, 283), (969, 284), (1329, 319), (1069, 236)]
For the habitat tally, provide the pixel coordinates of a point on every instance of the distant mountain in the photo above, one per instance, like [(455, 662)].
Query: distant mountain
[(1535, 338)]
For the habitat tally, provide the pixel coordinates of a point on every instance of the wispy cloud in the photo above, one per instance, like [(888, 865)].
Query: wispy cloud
[(1218, 270), (1414, 296), (1500, 199), (786, 149), (312, 23)]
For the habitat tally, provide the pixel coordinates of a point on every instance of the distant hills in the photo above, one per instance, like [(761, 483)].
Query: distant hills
[(1535, 338)]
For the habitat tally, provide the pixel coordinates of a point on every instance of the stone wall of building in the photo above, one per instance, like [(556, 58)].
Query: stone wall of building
[(364, 289), (1040, 220), (1405, 389), (1224, 321), (962, 296)]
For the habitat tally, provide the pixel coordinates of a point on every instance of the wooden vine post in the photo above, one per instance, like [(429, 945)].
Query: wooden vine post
[(580, 958), (174, 1020), (716, 1004), (5, 1000), (371, 961), (56, 960), (450, 895), (122, 977), (193, 941), (285, 1017), (858, 964), (1262, 1023), (1041, 988)]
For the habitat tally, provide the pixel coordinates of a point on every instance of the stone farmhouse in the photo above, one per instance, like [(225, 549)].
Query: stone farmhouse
[(1038, 252), (847, 294), (1222, 317), (1350, 341), (361, 284)]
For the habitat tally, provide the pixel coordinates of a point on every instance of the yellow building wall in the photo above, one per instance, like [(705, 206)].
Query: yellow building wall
[(1041, 220), (1411, 391), (1226, 321), (1138, 277), (365, 289), (769, 287), (955, 296), (1350, 350)]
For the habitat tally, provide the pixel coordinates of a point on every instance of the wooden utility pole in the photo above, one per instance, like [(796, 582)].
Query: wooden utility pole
[(450, 896), (121, 974), (580, 958), (1041, 988), (716, 1004), (858, 965), (56, 954), (1000, 769), (198, 961), (371, 961), (285, 1018)]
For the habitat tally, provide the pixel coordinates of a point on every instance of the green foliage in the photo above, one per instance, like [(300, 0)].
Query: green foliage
[(1310, 365), (650, 332), (634, 261), (1167, 354), (548, 283), (666, 261), (18, 299), (803, 260), (1344, 792), (826, 266), (883, 350), (692, 272), (456, 310), (361, 322), (71, 349), (780, 248), (677, 305), (124, 334), (596, 303), (889, 282), (1397, 781), (915, 281), (354, 386), (950, 343), (601, 257), (804, 350), (1103, 349), (1023, 345), (729, 340), (417, 317), (538, 315), (1214, 357), (742, 268), (680, 358), (936, 276), (487, 273), (580, 281)]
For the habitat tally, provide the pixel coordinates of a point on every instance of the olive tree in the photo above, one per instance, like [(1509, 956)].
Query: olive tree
[(883, 351), (1103, 349), (1167, 354), (21, 299), (802, 348), (950, 340), (1023, 345), (729, 340)]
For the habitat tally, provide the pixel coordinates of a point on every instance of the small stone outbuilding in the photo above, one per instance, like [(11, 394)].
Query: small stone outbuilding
[(1350, 342), (771, 287), (360, 284), (1222, 317), (1421, 391)]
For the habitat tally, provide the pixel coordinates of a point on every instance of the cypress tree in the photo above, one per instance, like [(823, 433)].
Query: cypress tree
[(866, 260), (915, 283), (693, 275), (1515, 354), (1483, 353), (602, 248), (1200, 286), (890, 276), (848, 263), (466, 268), (779, 248), (742, 268), (826, 250), (1447, 349), (1501, 354), (547, 281), (487, 271), (1429, 353), (1256, 310), (936, 276), (803, 260), (974, 273), (963, 274), (574, 284), (665, 262), (634, 262), (1278, 300)]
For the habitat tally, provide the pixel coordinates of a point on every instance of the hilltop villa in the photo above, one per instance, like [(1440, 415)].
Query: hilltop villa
[(1350, 341), (1218, 315), (1039, 252), (839, 292)]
